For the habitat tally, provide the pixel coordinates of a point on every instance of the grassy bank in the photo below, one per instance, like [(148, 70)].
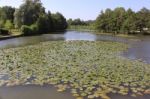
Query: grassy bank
[(89, 69), (13, 33)]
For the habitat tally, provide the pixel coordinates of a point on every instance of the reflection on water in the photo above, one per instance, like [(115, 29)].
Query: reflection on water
[(75, 35), (33, 92), (47, 92), (139, 49), (4, 77), (21, 41)]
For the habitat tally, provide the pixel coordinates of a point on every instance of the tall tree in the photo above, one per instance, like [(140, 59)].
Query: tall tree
[(129, 24), (28, 13), (8, 25), (6, 13), (59, 21), (143, 17), (118, 17)]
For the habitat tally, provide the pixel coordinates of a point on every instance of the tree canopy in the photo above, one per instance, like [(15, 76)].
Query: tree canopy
[(120, 20), (31, 18), (6, 13)]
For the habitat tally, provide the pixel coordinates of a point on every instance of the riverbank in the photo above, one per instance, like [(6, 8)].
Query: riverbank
[(14, 33), (90, 28), (111, 34), (92, 31)]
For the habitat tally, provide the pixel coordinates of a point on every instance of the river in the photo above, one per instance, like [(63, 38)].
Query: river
[(139, 48)]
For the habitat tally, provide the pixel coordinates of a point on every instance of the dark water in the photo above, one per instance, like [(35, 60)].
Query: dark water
[(139, 49)]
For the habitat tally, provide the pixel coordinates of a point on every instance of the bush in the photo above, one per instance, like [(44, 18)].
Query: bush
[(34, 28), (4, 32), (26, 30), (30, 30)]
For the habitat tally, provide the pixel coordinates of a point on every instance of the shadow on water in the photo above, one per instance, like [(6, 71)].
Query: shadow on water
[(139, 49)]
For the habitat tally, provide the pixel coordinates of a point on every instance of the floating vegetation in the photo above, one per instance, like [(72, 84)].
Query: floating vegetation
[(89, 69)]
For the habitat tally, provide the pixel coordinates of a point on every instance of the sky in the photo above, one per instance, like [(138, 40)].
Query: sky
[(83, 9)]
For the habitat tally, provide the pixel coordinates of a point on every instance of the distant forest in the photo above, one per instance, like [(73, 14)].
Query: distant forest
[(118, 20)]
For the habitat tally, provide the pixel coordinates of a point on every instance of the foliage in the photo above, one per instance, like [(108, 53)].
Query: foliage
[(8, 25), (26, 30), (7, 13), (59, 22), (43, 24), (32, 12), (4, 32), (81, 27), (120, 20), (76, 22), (29, 12), (31, 15)]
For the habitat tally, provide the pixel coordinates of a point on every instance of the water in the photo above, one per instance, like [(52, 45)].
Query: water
[(46, 92), (69, 35), (139, 49), (33, 92)]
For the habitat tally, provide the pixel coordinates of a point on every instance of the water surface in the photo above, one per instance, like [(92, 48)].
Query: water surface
[(139, 49), (33, 92)]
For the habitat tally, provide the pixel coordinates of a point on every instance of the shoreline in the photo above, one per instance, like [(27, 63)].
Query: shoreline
[(2, 37)]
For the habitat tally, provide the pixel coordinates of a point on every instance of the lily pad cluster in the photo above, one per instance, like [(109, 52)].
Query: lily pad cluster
[(89, 69)]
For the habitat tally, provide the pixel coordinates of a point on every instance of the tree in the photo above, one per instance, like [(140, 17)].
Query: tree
[(129, 25), (142, 17), (28, 13), (59, 22), (6, 13), (43, 24), (70, 21), (120, 20), (118, 17), (8, 25), (50, 21)]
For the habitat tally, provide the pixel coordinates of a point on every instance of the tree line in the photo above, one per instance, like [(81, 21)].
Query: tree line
[(78, 21), (120, 20), (31, 18), (78, 24), (116, 21)]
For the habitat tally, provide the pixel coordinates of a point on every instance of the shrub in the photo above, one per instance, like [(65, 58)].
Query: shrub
[(4, 32), (34, 28), (26, 30)]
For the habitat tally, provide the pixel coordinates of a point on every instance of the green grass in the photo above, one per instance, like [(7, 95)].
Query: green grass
[(89, 69)]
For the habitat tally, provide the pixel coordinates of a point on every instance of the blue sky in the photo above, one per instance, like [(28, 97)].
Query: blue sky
[(84, 9)]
